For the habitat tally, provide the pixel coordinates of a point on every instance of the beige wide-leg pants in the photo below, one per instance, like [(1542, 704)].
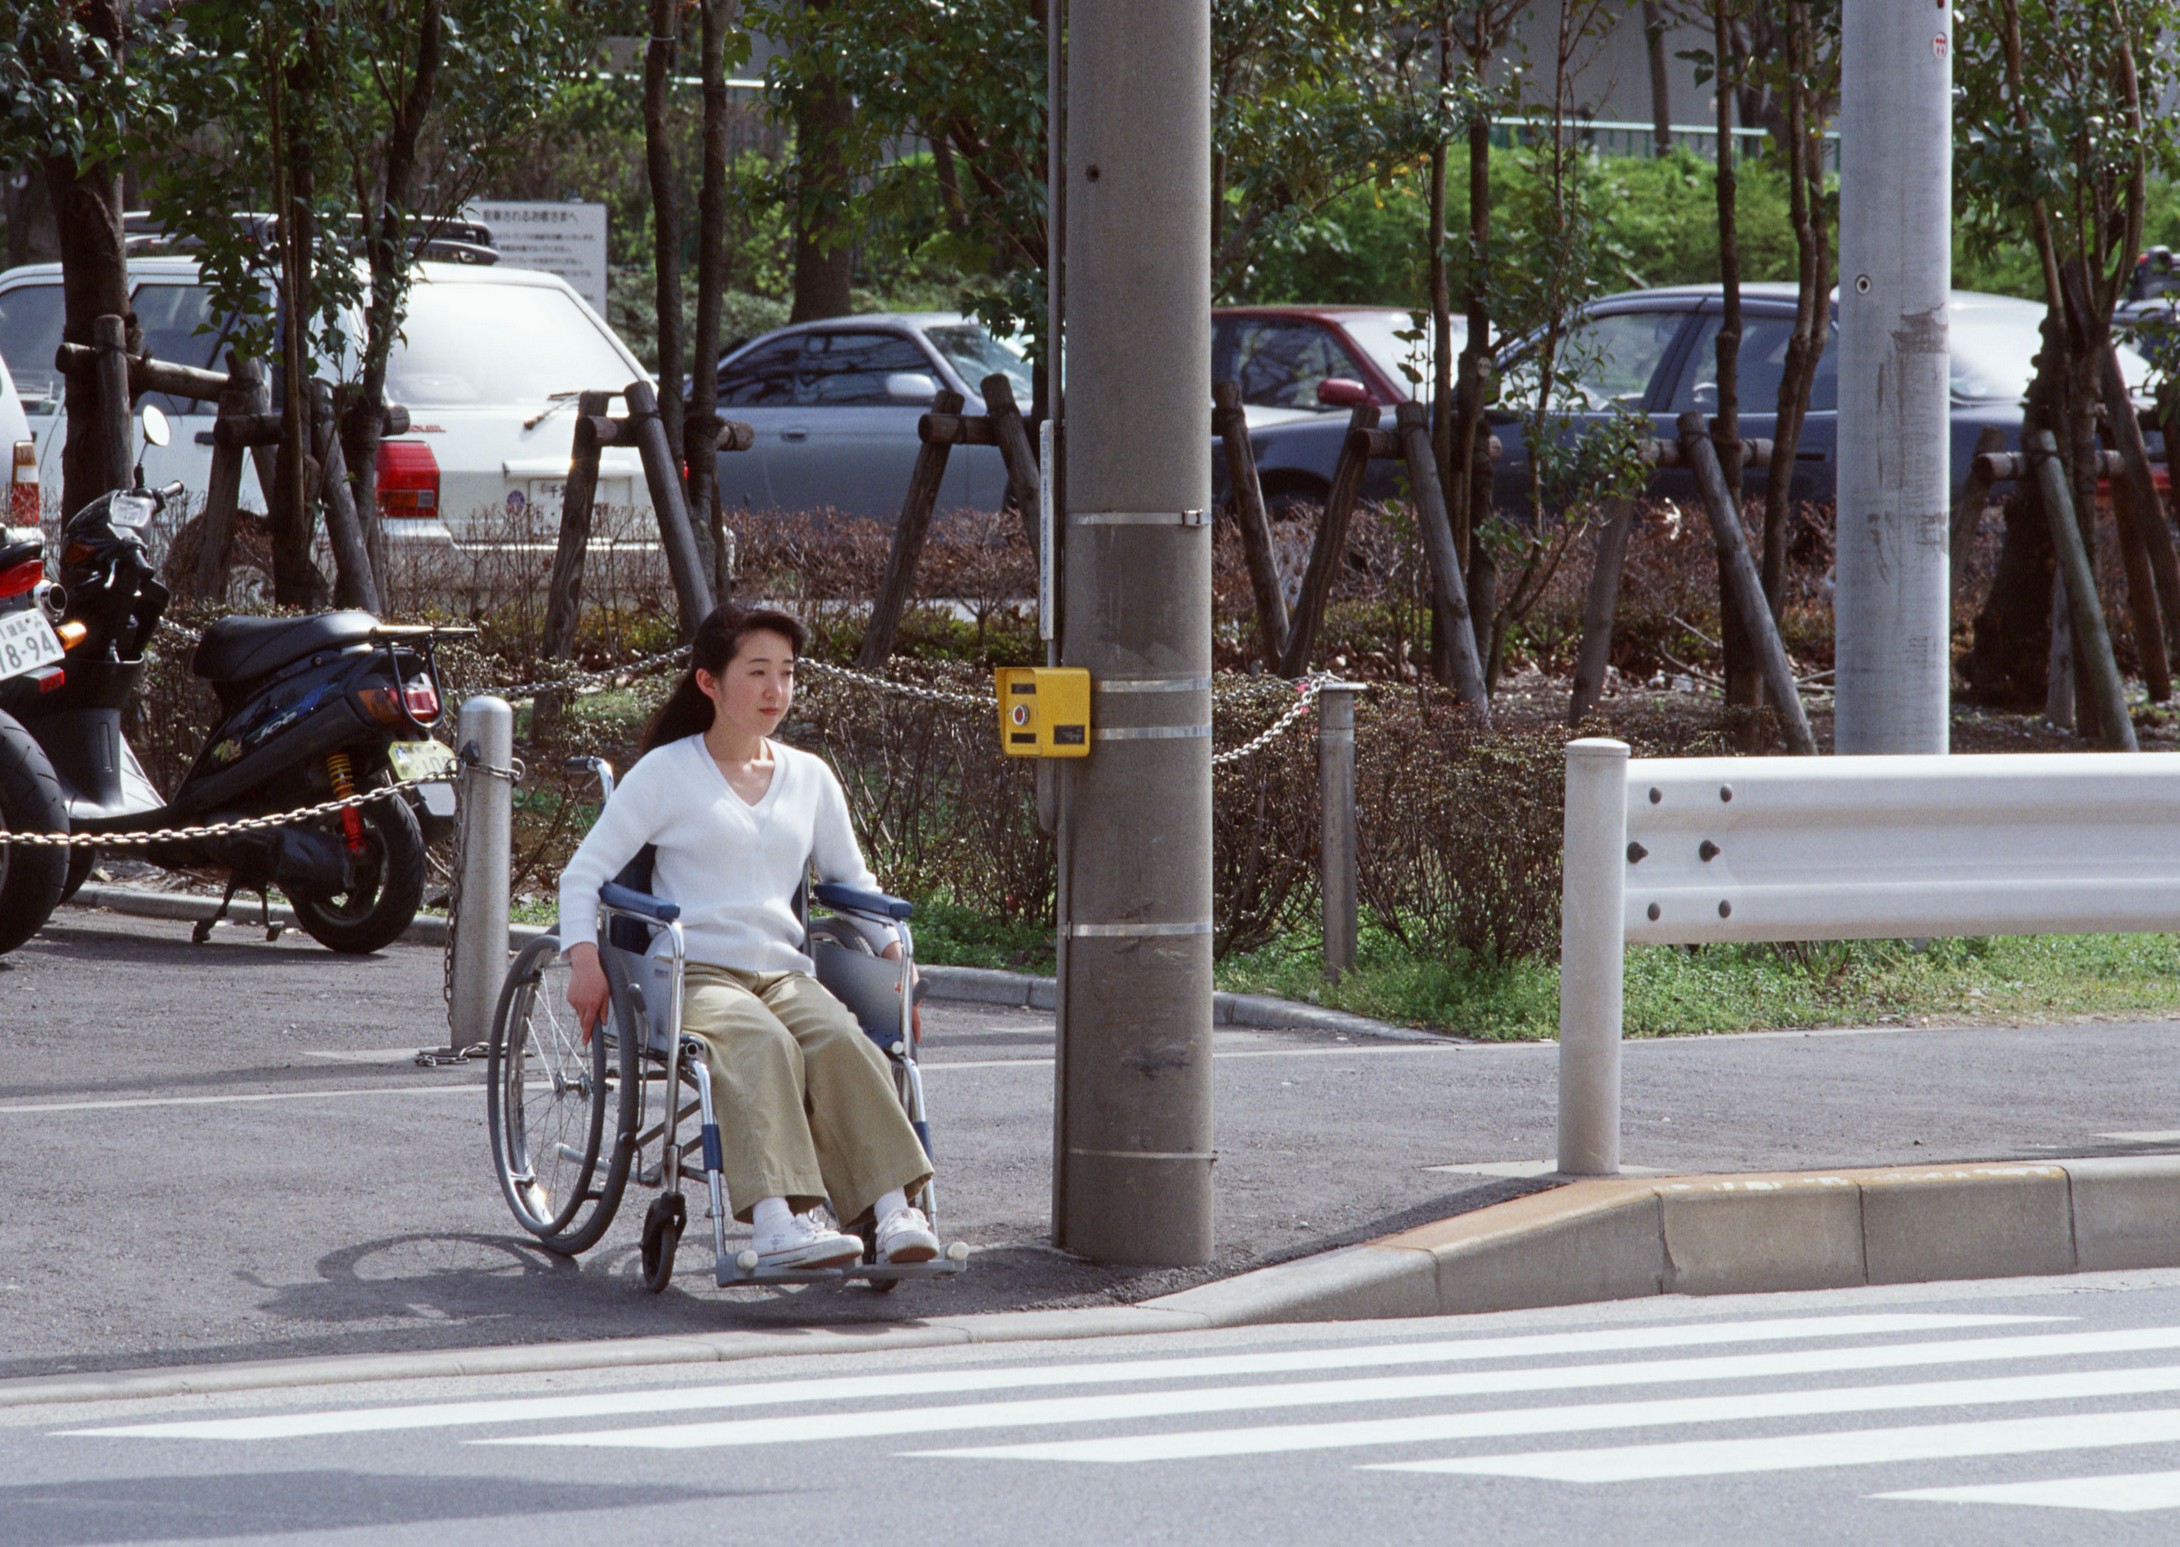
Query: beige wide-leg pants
[(805, 1101)]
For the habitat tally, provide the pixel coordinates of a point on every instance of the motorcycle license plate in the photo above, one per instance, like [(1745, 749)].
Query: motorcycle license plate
[(421, 760), (27, 642)]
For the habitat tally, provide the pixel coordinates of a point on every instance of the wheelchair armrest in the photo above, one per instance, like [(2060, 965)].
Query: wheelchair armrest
[(615, 895), (851, 899)]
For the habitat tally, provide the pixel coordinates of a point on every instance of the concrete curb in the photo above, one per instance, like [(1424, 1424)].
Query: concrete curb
[(613, 1353), (1620, 1238), (971, 985)]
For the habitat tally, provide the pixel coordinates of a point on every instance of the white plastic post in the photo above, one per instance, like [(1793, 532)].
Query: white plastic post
[(485, 737), (1592, 946)]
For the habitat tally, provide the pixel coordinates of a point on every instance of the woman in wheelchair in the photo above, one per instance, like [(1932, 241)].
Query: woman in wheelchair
[(807, 1107)]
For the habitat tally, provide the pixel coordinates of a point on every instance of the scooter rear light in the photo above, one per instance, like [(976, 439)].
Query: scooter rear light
[(23, 485), (422, 699), (408, 480), (72, 634), (19, 578)]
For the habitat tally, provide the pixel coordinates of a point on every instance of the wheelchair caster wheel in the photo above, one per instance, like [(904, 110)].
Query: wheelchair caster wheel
[(958, 1252), (747, 1261), (662, 1226)]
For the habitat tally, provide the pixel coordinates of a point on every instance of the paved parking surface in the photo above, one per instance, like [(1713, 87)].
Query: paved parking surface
[(227, 1152)]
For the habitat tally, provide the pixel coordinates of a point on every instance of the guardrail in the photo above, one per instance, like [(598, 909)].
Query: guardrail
[(1681, 851)]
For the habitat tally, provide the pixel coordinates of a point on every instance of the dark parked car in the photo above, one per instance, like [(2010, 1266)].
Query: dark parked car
[(1653, 353)]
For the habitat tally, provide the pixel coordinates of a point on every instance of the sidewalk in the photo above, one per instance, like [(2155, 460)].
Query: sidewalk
[(221, 1154)]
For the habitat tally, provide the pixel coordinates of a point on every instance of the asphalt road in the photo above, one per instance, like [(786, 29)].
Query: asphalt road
[(2022, 1412), (226, 1152)]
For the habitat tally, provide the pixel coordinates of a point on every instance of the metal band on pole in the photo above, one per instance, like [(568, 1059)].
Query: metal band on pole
[(1116, 931), (1150, 732)]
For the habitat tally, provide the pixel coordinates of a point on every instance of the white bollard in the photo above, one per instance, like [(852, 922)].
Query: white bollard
[(1592, 949), (484, 736)]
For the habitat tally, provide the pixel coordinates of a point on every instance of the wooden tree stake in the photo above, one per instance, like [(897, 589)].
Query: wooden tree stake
[(1230, 422)]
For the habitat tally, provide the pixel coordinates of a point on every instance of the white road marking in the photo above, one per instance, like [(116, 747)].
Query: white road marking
[(2131, 1494), (2147, 1136), (815, 1427), (1804, 1452), (1508, 1423), (467, 1088), (934, 1383)]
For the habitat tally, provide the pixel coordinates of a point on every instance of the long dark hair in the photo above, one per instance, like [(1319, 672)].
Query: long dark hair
[(687, 712)]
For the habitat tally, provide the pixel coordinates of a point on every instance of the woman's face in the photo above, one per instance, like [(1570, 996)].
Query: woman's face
[(752, 693)]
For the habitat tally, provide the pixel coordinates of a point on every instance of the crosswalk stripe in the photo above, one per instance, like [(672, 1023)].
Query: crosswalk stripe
[(813, 1427), (1803, 1452), (941, 1382), (1508, 1423), (2130, 1494)]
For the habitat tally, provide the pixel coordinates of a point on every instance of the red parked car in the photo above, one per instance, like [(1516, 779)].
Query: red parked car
[(1323, 357)]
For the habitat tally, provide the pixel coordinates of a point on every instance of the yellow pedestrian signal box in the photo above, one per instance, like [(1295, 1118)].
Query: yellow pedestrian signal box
[(1044, 711)]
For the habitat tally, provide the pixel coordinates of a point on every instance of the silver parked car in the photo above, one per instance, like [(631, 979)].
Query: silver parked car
[(835, 405)]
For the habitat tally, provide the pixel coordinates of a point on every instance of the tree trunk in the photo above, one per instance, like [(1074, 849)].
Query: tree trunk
[(1661, 82), (711, 263), (363, 421), (1470, 497), (1744, 682), (1812, 303), (658, 155), (824, 260), (86, 203), (296, 581)]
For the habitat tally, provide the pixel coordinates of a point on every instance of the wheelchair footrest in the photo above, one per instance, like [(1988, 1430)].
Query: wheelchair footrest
[(730, 1270)]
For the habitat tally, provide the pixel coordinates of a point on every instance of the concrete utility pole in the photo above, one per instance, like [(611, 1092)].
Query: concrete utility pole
[(1134, 1099), (1890, 607)]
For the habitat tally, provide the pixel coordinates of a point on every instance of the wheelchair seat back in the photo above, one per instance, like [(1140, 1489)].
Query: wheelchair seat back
[(868, 985)]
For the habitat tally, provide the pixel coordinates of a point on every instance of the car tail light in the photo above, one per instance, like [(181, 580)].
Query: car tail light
[(18, 578), (23, 485), (422, 699), (408, 480)]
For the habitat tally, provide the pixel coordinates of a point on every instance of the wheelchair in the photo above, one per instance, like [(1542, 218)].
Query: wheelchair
[(574, 1120)]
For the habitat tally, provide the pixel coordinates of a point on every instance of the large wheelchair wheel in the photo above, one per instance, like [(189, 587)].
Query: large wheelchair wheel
[(562, 1108)]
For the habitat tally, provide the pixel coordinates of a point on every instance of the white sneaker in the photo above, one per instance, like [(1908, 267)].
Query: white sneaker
[(804, 1243), (905, 1236)]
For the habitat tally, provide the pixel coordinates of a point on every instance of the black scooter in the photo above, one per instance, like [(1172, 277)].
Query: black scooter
[(312, 709)]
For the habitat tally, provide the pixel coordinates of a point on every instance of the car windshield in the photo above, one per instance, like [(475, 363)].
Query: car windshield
[(476, 342), (1994, 354), (1379, 334), (975, 354)]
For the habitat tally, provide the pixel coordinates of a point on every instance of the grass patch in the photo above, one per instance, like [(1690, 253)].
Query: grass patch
[(1672, 991), (950, 935)]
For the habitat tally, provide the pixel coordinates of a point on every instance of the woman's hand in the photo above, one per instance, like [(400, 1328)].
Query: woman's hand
[(892, 953), (587, 989)]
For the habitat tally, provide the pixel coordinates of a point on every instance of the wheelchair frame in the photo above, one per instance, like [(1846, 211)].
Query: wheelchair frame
[(608, 1074)]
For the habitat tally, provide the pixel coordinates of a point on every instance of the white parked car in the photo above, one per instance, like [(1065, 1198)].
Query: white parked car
[(21, 502), (488, 365)]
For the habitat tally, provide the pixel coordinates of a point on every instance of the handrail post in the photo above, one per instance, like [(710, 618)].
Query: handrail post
[(485, 739), (1336, 801), (1592, 948)]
